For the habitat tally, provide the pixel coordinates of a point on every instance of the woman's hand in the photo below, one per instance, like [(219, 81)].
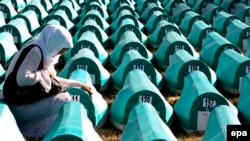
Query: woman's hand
[(88, 88)]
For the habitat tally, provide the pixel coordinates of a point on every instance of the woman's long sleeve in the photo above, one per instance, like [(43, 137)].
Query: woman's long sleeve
[(28, 74)]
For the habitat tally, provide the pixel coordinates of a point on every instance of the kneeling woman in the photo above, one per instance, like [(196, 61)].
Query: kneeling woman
[(29, 89)]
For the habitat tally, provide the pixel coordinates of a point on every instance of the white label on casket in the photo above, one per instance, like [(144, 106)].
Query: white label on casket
[(92, 78), (208, 103), (84, 67), (147, 99), (245, 44), (140, 67), (202, 120)]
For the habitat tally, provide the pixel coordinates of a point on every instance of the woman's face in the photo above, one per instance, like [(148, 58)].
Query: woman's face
[(62, 51)]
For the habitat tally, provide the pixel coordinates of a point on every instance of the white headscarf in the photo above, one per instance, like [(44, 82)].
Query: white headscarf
[(51, 40)]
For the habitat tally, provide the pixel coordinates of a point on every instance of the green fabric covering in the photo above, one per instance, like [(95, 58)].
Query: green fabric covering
[(72, 124), (88, 39), (69, 8), (242, 11), (97, 107), (243, 101), (127, 42), (18, 4), (94, 4), (7, 47), (94, 15), (238, 33), (228, 5), (31, 20), (115, 37), (188, 20), (210, 11), (213, 45), (198, 98), (123, 7), (151, 7), (38, 8), (144, 124), (19, 30), (115, 4), (2, 74), (179, 11), (172, 42), (133, 60), (8, 9), (91, 25), (219, 118), (154, 19), (182, 64), (62, 17), (8, 126), (2, 19), (198, 32), (142, 5), (134, 92), (222, 20), (162, 28), (236, 66), (85, 59)]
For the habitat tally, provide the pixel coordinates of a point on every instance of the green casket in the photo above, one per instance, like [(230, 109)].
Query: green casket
[(69, 8), (8, 9), (97, 107), (2, 19), (172, 42), (19, 30), (151, 8), (123, 7), (128, 41), (228, 5), (92, 25), (134, 92), (242, 11), (243, 101), (180, 10), (213, 45), (198, 32), (236, 67), (162, 28), (222, 20), (188, 20), (62, 17), (181, 64), (219, 118), (18, 4), (115, 4), (86, 60), (72, 124), (127, 17), (96, 16), (115, 37), (7, 48), (31, 19), (95, 5), (154, 19), (142, 5), (144, 124), (238, 33), (210, 11), (198, 98), (2, 75), (132, 60), (89, 40), (37, 6), (8, 127)]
